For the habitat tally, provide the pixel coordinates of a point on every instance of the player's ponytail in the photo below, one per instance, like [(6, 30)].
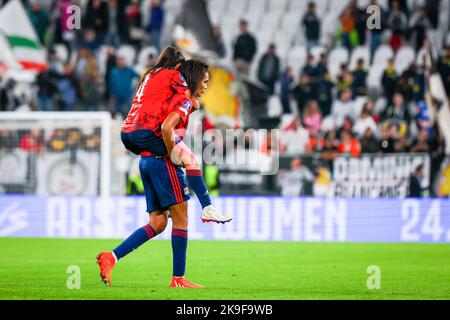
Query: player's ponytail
[(193, 71), (169, 58)]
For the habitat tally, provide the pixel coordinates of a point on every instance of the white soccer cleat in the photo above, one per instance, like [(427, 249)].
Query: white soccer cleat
[(209, 214)]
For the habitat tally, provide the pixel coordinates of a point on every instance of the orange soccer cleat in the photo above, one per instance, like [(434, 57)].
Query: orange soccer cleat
[(181, 282), (106, 261)]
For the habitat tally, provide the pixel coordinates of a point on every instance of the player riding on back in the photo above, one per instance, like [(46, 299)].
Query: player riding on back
[(162, 90)]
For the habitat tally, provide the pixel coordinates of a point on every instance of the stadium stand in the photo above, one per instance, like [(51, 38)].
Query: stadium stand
[(269, 21)]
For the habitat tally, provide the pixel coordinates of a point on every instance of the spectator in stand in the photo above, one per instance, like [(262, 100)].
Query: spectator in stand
[(432, 8), (110, 64), (398, 23), (347, 125), (363, 123), (46, 82), (397, 112), (402, 5), (116, 24), (58, 141), (444, 68), (88, 78), (312, 118), (309, 69), (376, 34), (135, 31), (39, 19), (342, 108), (120, 84), (156, 23), (32, 141), (421, 143), (360, 17), (292, 182), (348, 29), (401, 145), (388, 138), (294, 138), (67, 85), (286, 83), (311, 23), (389, 81), (244, 49), (359, 76), (8, 140), (415, 182), (419, 24), (60, 18), (344, 80), (220, 45), (322, 66), (349, 145), (303, 92), (324, 94), (369, 144), (329, 150), (90, 41), (96, 18), (269, 68)]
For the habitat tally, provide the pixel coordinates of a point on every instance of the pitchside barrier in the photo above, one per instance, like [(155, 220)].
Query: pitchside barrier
[(255, 218)]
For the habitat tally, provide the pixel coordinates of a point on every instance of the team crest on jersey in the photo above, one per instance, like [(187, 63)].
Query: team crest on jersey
[(187, 105), (186, 191)]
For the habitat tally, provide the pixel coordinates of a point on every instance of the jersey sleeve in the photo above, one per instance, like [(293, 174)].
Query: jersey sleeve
[(182, 106)]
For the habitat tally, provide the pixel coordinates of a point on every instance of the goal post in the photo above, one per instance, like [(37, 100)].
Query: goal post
[(47, 153)]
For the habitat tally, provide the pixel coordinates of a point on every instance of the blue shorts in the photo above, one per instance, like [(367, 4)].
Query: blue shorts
[(164, 183), (143, 140)]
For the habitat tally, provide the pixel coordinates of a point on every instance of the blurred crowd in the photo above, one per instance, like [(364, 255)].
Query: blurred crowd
[(38, 141), (331, 114)]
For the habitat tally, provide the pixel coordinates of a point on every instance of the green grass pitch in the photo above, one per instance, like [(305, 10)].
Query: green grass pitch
[(37, 269)]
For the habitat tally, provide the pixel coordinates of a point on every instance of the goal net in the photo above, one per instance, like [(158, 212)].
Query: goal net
[(55, 153)]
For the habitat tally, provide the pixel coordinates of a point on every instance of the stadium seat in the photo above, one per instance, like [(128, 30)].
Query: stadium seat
[(337, 56), (128, 52), (316, 52), (277, 5), (297, 5), (382, 55), (297, 57), (374, 77), (405, 56), (274, 107), (360, 52), (237, 7), (61, 52), (259, 6), (322, 7)]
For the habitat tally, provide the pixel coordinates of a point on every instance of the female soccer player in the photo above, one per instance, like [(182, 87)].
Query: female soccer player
[(164, 184), (141, 129)]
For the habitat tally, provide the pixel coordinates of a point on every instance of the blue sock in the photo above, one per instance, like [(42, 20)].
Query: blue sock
[(197, 183), (179, 246), (136, 239)]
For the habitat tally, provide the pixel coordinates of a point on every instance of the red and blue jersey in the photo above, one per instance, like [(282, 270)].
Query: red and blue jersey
[(157, 93)]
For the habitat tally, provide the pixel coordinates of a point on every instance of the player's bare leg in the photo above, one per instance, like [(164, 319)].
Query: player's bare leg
[(179, 216), (184, 156), (107, 260)]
